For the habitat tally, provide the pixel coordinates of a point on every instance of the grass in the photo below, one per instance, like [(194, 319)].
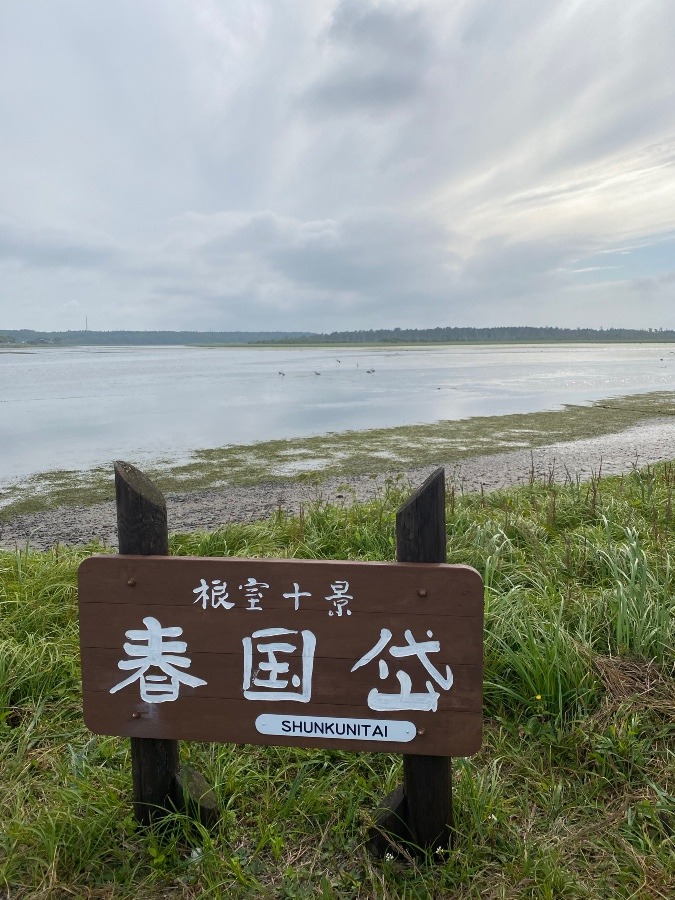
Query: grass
[(572, 795), (347, 453)]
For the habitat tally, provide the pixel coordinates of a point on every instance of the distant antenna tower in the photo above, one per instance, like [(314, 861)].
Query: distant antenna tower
[(86, 323)]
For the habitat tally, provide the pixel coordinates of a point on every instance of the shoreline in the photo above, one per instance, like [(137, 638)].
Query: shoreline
[(612, 454)]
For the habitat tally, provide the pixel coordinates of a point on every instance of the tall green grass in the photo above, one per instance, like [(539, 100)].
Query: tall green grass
[(572, 795)]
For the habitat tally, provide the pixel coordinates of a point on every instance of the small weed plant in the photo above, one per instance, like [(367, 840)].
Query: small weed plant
[(572, 795)]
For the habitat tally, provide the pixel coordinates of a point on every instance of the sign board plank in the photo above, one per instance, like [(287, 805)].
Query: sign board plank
[(350, 655)]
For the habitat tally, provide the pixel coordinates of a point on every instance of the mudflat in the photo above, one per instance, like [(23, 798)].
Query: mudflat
[(613, 454)]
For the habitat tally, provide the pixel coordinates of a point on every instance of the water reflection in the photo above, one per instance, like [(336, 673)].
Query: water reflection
[(77, 407)]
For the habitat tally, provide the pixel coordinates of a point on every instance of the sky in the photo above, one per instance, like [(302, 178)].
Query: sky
[(321, 165)]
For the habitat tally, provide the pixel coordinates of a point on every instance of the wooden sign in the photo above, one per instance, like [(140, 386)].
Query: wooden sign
[(347, 655)]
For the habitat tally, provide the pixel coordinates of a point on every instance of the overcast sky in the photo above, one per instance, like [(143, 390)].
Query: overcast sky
[(336, 164)]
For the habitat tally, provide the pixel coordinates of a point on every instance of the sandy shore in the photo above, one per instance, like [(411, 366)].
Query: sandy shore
[(612, 454)]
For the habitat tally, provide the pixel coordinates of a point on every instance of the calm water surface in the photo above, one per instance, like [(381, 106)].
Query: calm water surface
[(77, 407)]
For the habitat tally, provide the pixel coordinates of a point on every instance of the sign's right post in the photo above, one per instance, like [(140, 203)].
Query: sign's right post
[(420, 813)]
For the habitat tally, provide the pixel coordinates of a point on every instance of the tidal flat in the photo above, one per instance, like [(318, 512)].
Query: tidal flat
[(245, 482)]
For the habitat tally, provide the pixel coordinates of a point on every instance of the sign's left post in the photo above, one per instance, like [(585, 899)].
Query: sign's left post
[(159, 787)]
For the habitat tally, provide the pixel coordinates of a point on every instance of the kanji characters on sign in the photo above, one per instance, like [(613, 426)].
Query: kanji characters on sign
[(216, 594), (277, 673), (263, 650), (406, 698), (149, 651)]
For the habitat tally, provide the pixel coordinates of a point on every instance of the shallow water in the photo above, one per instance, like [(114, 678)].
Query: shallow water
[(71, 408)]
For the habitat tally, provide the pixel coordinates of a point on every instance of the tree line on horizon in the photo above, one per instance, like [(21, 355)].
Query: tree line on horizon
[(86, 338), (506, 333), (439, 335)]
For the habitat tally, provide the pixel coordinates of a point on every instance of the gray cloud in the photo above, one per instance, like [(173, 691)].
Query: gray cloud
[(653, 285), (334, 163), (379, 60), (52, 248), (313, 269)]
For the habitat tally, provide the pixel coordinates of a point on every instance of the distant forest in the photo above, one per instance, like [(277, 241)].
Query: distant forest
[(503, 334), (450, 335), (144, 338)]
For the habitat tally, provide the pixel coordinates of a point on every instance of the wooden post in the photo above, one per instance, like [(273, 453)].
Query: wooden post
[(158, 785), (419, 812), (427, 780)]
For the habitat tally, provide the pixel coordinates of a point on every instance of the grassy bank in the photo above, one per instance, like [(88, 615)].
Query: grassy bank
[(344, 454), (572, 795)]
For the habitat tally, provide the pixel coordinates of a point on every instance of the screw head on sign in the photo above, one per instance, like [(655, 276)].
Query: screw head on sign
[(421, 731), (135, 715), (421, 592), (131, 582)]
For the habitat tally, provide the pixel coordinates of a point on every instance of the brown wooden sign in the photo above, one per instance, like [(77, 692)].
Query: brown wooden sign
[(355, 656)]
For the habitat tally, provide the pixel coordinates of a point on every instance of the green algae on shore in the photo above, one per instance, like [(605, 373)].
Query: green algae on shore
[(344, 454)]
